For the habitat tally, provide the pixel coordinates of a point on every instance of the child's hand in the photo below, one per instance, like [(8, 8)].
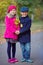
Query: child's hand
[(17, 32)]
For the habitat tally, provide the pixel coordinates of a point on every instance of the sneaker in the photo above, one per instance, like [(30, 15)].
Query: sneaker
[(23, 60), (29, 60), (15, 60), (10, 60)]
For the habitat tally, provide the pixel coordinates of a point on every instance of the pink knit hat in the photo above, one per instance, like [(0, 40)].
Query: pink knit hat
[(11, 7)]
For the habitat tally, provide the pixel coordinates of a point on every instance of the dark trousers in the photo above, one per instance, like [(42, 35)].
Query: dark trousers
[(9, 51)]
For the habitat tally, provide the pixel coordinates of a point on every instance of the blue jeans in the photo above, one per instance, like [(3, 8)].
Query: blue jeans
[(26, 48)]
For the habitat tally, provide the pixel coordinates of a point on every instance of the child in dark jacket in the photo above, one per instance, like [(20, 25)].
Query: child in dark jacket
[(25, 34)]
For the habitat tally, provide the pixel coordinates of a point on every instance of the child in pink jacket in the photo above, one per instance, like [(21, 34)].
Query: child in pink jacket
[(11, 32)]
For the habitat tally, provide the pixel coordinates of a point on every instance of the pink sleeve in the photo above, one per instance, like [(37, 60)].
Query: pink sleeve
[(9, 25)]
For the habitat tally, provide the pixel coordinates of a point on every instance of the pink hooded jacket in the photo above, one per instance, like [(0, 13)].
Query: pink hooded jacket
[(10, 28)]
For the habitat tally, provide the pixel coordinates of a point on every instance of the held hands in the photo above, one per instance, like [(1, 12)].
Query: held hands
[(17, 32)]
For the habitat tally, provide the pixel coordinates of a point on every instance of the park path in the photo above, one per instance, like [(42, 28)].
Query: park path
[(36, 51)]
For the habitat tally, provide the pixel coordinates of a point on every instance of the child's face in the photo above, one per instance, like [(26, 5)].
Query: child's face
[(13, 12), (24, 14)]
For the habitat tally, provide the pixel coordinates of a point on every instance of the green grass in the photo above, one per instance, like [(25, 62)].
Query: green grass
[(37, 25)]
